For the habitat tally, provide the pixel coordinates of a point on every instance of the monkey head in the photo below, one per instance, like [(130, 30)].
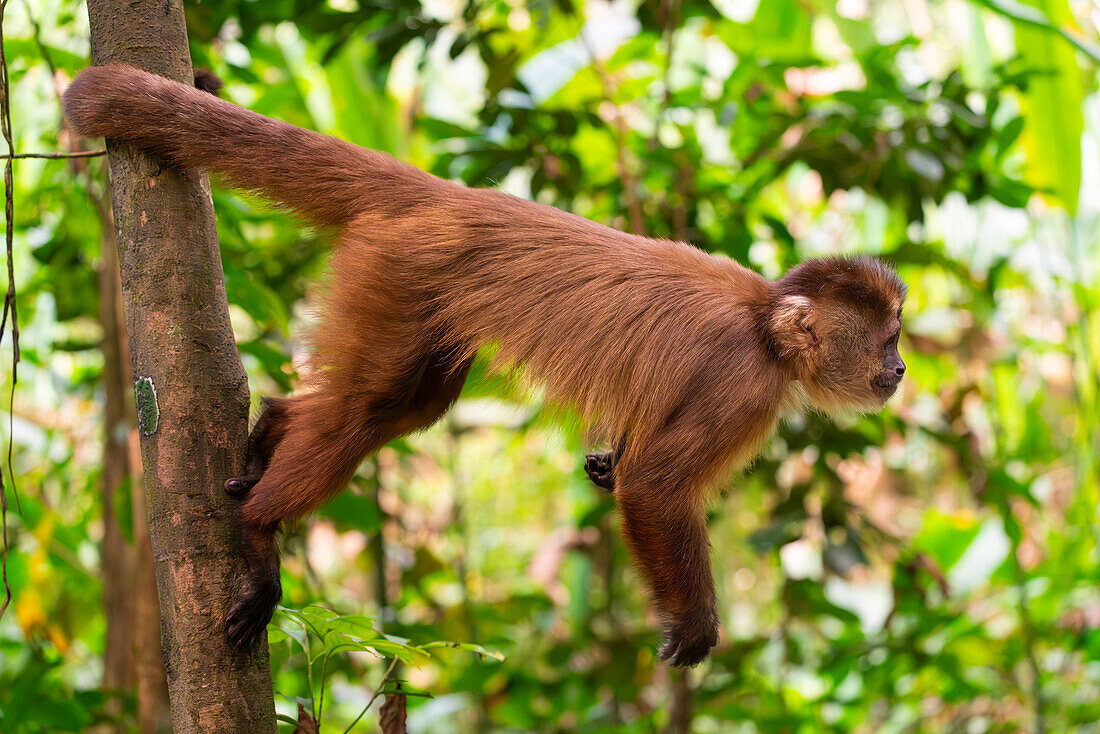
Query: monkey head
[(835, 323)]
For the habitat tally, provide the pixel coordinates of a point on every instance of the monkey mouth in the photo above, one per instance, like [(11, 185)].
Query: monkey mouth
[(886, 385)]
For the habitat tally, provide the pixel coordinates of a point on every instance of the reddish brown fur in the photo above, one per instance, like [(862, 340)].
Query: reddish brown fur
[(687, 356)]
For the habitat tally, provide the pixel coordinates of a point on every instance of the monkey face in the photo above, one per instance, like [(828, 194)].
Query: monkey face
[(892, 368), (835, 323), (857, 364)]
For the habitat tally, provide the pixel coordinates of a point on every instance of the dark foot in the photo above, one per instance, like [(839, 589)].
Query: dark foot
[(252, 610), (208, 81), (240, 486), (600, 468), (688, 643), (265, 437)]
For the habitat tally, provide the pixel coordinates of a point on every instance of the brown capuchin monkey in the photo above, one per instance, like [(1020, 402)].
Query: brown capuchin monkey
[(684, 359)]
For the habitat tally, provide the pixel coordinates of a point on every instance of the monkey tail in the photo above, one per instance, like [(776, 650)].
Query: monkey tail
[(326, 180)]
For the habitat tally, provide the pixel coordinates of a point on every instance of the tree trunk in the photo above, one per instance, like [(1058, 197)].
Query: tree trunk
[(191, 394), (132, 658), (680, 705)]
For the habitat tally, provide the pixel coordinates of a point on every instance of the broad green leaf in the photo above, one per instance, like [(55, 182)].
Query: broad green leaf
[(276, 635), (1053, 120), (467, 646), (356, 625), (945, 537), (389, 649)]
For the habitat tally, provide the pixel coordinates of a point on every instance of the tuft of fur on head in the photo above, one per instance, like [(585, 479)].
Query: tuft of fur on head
[(859, 279)]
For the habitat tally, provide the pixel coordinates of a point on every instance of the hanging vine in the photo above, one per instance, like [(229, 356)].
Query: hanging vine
[(9, 301)]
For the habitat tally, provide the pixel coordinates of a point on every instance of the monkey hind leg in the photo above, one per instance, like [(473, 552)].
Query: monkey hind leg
[(318, 440), (439, 388), (310, 447), (261, 588)]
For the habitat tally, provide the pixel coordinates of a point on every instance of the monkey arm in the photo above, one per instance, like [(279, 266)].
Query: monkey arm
[(662, 480), (659, 489), (668, 539)]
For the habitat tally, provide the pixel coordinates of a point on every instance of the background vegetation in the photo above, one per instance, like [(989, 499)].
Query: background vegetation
[(933, 568)]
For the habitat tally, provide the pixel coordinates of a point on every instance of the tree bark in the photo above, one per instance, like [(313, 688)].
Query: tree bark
[(132, 656), (191, 394), (680, 705)]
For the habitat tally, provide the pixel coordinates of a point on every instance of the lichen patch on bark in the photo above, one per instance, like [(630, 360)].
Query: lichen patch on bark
[(148, 410)]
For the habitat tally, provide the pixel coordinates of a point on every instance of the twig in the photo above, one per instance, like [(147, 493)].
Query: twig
[(630, 183), (42, 48), (9, 303), (321, 694), (377, 693), (74, 153), (1028, 630), (668, 20), (78, 154), (462, 570)]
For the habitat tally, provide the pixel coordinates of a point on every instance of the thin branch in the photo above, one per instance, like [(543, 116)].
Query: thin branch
[(321, 694), (74, 153), (630, 183), (77, 154), (667, 20), (377, 693), (1028, 630), (42, 48)]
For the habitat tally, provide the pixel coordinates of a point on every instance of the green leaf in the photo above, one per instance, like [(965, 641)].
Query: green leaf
[(780, 32), (270, 358), (276, 635), (353, 511), (287, 720), (357, 625), (945, 537), (1053, 119), (478, 650), (389, 649), (1028, 17)]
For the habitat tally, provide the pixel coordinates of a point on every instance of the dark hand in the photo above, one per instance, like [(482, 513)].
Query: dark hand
[(688, 642), (599, 468)]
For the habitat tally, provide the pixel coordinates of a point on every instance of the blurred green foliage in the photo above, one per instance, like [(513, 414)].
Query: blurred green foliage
[(933, 568)]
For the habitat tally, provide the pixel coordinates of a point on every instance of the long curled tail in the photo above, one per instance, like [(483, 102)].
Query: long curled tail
[(325, 179)]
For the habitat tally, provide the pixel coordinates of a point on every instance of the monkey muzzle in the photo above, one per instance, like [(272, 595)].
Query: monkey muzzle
[(886, 383)]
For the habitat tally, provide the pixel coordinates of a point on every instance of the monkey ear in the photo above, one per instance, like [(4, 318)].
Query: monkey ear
[(792, 323)]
